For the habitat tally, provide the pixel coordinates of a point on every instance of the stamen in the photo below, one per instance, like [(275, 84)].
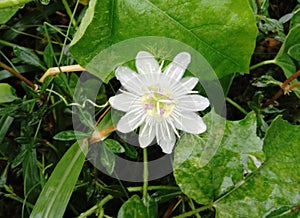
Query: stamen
[(157, 108)]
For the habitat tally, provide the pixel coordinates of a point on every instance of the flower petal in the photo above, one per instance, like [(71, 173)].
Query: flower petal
[(130, 121), (189, 83), (129, 79), (165, 137), (146, 135), (146, 63), (176, 69), (125, 101), (191, 123), (184, 86), (193, 103)]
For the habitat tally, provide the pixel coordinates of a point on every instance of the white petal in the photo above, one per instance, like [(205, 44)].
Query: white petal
[(175, 70), (129, 79), (189, 83), (146, 63), (130, 121), (191, 123), (165, 137), (184, 86), (125, 101), (146, 135), (193, 103)]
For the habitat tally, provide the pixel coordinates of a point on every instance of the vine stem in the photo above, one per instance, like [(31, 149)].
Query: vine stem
[(96, 207), (145, 185), (192, 212), (262, 64), (9, 44), (151, 188), (56, 70), (69, 12), (77, 104), (286, 87), (236, 105), (15, 73)]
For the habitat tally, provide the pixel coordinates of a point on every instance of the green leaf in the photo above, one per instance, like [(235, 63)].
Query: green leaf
[(30, 172), (107, 159), (133, 208), (130, 151), (286, 211), (19, 158), (11, 3), (219, 30), (5, 123), (286, 17), (294, 52), (239, 152), (48, 56), (286, 56), (7, 93), (163, 196), (55, 195), (21, 69), (69, 135), (7, 13), (274, 187), (29, 57), (151, 206), (45, 2), (266, 80), (296, 18), (3, 176), (114, 146)]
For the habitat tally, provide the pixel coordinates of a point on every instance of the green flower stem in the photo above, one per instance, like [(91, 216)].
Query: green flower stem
[(96, 207), (262, 64), (145, 186), (236, 105), (192, 212), (151, 188)]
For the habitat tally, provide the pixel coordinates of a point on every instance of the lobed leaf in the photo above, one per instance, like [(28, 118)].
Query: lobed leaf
[(274, 188), (287, 57), (223, 31), (239, 151)]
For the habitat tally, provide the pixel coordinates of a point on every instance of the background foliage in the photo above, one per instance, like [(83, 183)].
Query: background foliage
[(245, 165)]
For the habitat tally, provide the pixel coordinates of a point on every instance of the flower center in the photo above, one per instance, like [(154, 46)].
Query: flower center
[(157, 102)]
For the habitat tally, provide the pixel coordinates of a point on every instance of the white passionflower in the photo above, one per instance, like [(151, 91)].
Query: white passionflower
[(159, 103)]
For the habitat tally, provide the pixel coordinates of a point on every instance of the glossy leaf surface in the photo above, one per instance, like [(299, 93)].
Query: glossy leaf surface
[(222, 31), (274, 188), (240, 151)]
